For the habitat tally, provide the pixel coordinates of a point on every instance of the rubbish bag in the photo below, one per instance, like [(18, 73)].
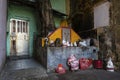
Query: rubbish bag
[(85, 63)]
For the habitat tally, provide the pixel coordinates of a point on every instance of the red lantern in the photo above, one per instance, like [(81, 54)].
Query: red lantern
[(60, 69)]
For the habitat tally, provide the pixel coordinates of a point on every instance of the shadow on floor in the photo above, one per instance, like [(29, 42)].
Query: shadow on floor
[(21, 64)]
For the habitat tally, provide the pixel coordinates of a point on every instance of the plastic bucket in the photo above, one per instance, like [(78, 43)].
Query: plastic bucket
[(98, 64)]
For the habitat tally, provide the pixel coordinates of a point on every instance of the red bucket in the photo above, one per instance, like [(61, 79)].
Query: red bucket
[(98, 64)]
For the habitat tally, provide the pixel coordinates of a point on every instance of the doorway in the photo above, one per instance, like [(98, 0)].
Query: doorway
[(19, 37)]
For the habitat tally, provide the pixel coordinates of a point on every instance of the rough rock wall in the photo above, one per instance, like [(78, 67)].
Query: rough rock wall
[(81, 17), (109, 39), (44, 16), (115, 24)]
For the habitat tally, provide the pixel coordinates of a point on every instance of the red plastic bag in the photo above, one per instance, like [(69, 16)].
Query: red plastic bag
[(73, 63), (85, 63)]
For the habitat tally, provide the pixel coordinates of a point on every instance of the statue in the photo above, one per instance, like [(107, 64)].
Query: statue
[(110, 66), (58, 42)]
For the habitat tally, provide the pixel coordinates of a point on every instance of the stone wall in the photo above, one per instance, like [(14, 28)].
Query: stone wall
[(115, 24), (41, 56), (81, 17), (44, 17), (109, 38), (40, 53)]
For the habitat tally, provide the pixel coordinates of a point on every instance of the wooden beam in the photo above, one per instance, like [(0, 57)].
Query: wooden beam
[(23, 3)]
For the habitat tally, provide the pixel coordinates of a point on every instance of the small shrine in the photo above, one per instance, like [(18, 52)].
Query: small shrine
[(65, 33), (58, 45)]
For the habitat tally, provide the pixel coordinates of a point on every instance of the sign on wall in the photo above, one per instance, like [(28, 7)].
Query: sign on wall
[(102, 15), (66, 34)]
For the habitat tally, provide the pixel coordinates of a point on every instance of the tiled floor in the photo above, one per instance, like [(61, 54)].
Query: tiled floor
[(23, 69), (21, 64), (29, 69), (94, 74)]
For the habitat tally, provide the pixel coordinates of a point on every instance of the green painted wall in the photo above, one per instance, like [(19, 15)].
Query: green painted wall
[(59, 5), (57, 21), (24, 13)]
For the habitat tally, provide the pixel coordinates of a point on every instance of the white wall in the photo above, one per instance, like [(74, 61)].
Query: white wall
[(3, 9)]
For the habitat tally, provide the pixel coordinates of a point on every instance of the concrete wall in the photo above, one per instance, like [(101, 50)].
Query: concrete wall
[(3, 14), (59, 55), (50, 57), (24, 13)]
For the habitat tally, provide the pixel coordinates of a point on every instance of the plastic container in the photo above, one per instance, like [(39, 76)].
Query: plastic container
[(98, 64)]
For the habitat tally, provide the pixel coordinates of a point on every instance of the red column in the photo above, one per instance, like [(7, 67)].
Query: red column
[(3, 14)]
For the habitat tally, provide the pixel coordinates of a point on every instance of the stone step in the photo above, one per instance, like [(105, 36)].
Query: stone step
[(18, 57)]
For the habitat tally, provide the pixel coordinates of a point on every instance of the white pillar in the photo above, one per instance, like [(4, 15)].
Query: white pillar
[(10, 26), (3, 24)]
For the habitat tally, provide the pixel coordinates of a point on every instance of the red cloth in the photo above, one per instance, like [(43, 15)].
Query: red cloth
[(85, 63)]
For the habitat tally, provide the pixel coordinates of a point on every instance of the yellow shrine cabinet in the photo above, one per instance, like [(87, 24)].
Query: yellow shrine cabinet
[(64, 33)]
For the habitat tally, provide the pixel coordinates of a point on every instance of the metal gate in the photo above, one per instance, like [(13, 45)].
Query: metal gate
[(19, 35)]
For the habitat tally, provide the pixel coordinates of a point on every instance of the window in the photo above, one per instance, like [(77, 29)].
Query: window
[(18, 26)]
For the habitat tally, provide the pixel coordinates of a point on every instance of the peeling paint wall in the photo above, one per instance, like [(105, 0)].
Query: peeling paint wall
[(23, 13)]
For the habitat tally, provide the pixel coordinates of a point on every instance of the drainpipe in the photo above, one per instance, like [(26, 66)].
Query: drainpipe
[(3, 24)]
